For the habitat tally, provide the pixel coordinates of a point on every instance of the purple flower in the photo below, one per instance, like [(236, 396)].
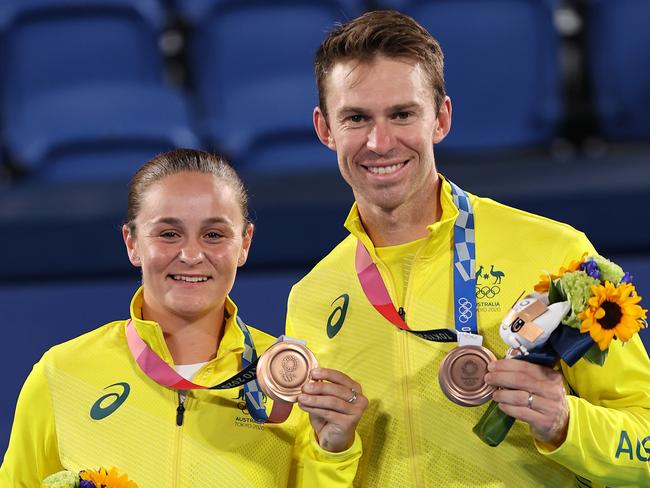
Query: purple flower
[(591, 268), (86, 484), (627, 278)]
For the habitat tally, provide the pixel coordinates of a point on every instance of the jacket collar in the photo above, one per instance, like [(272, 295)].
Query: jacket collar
[(440, 232), (232, 340)]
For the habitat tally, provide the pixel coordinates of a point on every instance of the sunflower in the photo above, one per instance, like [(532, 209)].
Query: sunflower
[(107, 479), (544, 279), (612, 312)]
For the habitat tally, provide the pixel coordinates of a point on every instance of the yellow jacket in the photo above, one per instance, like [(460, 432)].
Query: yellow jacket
[(135, 428), (412, 434)]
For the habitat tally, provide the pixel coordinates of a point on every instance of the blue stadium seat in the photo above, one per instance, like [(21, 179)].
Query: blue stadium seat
[(97, 131), (251, 64), (50, 44), (83, 94), (617, 54), (501, 69)]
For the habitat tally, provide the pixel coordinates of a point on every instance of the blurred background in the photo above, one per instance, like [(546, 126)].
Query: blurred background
[(551, 113)]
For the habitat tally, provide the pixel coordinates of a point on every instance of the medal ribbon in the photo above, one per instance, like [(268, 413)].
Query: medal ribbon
[(163, 374), (464, 279), (464, 263)]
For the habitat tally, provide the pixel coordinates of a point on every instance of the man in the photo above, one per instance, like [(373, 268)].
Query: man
[(382, 108)]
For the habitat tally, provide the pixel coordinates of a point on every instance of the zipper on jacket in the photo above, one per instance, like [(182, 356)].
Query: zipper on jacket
[(183, 404), (409, 421), (180, 410), (403, 346), (408, 409), (402, 313)]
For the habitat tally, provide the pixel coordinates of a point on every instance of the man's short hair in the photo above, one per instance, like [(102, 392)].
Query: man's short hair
[(382, 32)]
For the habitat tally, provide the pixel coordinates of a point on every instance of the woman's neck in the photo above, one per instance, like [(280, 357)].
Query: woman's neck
[(190, 340)]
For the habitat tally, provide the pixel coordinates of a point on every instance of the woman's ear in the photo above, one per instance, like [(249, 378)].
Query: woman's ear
[(246, 244), (129, 242)]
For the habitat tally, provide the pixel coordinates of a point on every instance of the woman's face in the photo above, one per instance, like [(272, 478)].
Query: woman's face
[(189, 241)]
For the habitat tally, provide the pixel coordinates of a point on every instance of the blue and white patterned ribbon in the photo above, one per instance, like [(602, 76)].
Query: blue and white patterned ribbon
[(464, 264)]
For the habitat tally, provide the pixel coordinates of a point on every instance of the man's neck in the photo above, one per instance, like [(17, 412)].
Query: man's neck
[(406, 223)]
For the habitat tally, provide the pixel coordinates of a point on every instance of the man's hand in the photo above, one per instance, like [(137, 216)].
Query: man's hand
[(335, 404), (534, 394)]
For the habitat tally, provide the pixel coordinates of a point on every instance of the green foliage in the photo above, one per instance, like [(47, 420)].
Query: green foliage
[(595, 355), (554, 293)]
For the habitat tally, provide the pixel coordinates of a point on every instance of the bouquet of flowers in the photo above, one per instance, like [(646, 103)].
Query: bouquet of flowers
[(573, 314), (88, 479)]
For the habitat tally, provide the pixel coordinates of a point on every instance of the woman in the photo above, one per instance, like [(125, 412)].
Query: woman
[(90, 403)]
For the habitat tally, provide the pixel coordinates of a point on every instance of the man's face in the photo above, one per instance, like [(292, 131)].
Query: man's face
[(382, 123)]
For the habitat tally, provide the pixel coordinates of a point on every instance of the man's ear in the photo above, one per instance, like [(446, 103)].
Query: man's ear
[(129, 242), (246, 245), (322, 129), (443, 119)]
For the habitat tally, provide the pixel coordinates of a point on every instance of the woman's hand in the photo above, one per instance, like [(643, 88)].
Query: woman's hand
[(334, 403)]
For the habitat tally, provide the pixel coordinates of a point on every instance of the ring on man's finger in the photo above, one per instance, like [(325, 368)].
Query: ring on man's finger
[(353, 397), (530, 400)]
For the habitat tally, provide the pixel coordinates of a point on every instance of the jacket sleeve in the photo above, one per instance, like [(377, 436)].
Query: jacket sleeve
[(33, 452), (314, 466), (608, 437)]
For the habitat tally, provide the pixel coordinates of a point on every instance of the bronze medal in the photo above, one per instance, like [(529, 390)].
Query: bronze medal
[(461, 375), (284, 369)]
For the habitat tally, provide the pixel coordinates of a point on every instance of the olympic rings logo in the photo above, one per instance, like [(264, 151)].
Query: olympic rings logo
[(487, 291), (464, 310)]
